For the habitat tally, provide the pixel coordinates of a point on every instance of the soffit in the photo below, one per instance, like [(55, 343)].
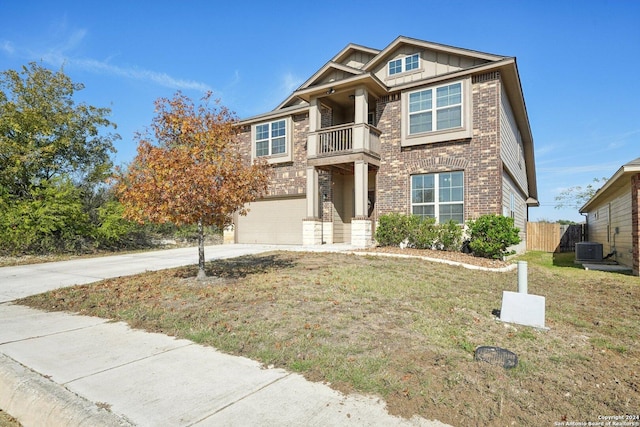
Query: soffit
[(619, 180)]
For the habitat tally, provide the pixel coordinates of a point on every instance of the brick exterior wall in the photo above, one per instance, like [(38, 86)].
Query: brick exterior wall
[(635, 222), (478, 157), (289, 178)]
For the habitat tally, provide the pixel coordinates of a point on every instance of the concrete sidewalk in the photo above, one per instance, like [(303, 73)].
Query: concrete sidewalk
[(60, 369)]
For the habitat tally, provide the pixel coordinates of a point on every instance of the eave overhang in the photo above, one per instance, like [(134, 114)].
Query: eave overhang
[(616, 182), (373, 85)]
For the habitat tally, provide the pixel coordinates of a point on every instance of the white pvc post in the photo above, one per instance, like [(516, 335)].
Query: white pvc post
[(522, 277)]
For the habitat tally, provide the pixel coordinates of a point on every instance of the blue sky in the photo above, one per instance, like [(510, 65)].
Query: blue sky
[(578, 61)]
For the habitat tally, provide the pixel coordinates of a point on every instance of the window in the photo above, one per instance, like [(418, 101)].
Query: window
[(271, 138), (402, 65), (435, 109), (439, 196)]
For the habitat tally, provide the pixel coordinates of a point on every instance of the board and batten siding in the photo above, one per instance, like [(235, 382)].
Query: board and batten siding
[(609, 223), (431, 64), (511, 147)]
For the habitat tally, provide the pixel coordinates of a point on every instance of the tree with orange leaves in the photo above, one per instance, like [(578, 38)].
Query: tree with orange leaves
[(190, 171)]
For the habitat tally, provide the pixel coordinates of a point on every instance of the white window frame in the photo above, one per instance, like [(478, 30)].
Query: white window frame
[(437, 203), (271, 138), (435, 110), (403, 68), (464, 131), (271, 157)]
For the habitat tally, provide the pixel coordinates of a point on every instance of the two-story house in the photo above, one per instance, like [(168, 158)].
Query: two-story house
[(417, 127)]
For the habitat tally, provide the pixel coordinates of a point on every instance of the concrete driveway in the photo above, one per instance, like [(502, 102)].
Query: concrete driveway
[(21, 281), (61, 369)]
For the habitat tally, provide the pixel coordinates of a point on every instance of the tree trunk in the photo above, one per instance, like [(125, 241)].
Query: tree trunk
[(201, 273)]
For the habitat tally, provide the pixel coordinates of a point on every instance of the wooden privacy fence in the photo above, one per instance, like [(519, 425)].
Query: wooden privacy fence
[(548, 237)]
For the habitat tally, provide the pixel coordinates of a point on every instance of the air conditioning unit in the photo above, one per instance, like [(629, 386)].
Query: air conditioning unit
[(588, 251)]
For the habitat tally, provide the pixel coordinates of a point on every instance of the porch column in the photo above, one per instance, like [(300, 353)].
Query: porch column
[(361, 230), (361, 186), (315, 123), (312, 225), (362, 105)]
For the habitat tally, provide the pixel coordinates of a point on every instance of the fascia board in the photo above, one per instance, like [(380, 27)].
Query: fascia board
[(431, 46), (616, 181)]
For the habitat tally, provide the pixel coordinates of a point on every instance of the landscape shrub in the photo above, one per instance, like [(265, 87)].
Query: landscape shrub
[(450, 236), (115, 232), (491, 235), (395, 229), (424, 233), (49, 219)]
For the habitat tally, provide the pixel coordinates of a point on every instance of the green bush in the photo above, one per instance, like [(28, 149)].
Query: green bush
[(491, 235), (394, 228), (115, 232), (450, 236), (417, 232), (424, 233), (50, 218)]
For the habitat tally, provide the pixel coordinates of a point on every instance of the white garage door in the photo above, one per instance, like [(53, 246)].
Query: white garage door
[(273, 221)]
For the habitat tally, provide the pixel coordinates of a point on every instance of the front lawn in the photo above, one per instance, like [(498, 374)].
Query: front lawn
[(403, 329)]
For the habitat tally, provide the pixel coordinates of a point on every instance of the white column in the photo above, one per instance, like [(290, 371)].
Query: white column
[(314, 115), (361, 187), (362, 105), (312, 192)]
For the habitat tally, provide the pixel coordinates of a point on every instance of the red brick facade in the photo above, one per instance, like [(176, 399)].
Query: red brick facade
[(478, 157)]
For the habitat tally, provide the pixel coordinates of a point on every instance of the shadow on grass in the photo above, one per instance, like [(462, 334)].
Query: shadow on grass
[(565, 259), (238, 268)]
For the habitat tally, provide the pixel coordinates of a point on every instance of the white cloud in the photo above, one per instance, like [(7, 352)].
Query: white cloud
[(62, 55), (7, 47), (159, 78), (607, 168), (289, 83)]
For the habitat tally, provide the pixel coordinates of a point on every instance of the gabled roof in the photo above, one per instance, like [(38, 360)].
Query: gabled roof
[(402, 40), (348, 77), (318, 76), (619, 179), (352, 48)]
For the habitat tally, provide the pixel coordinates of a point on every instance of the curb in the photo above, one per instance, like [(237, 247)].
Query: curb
[(35, 400), (442, 261)]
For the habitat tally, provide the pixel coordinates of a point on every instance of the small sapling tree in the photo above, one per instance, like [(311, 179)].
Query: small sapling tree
[(190, 170)]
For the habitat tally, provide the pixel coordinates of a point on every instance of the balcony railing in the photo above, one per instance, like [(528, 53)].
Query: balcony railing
[(344, 139)]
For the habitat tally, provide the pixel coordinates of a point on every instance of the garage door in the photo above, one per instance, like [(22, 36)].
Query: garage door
[(273, 221)]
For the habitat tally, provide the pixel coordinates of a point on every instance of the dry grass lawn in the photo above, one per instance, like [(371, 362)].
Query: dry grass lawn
[(403, 329)]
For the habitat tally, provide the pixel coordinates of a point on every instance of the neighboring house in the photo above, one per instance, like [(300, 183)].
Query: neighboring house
[(613, 216), (418, 128)]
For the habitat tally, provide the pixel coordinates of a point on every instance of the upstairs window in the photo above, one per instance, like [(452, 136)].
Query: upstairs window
[(439, 196), (271, 138), (402, 65), (434, 109)]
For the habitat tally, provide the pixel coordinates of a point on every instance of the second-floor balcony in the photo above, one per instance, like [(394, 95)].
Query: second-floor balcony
[(344, 140)]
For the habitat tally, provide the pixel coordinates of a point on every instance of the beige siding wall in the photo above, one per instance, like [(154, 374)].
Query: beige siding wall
[(610, 224), (431, 64), (357, 59), (514, 205), (511, 148)]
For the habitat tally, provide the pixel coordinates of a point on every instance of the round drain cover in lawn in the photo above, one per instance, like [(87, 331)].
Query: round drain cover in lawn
[(497, 356)]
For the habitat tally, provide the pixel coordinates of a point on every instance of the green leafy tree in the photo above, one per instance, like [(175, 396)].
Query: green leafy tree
[(52, 218), (190, 171), (54, 154), (575, 197), (45, 134)]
